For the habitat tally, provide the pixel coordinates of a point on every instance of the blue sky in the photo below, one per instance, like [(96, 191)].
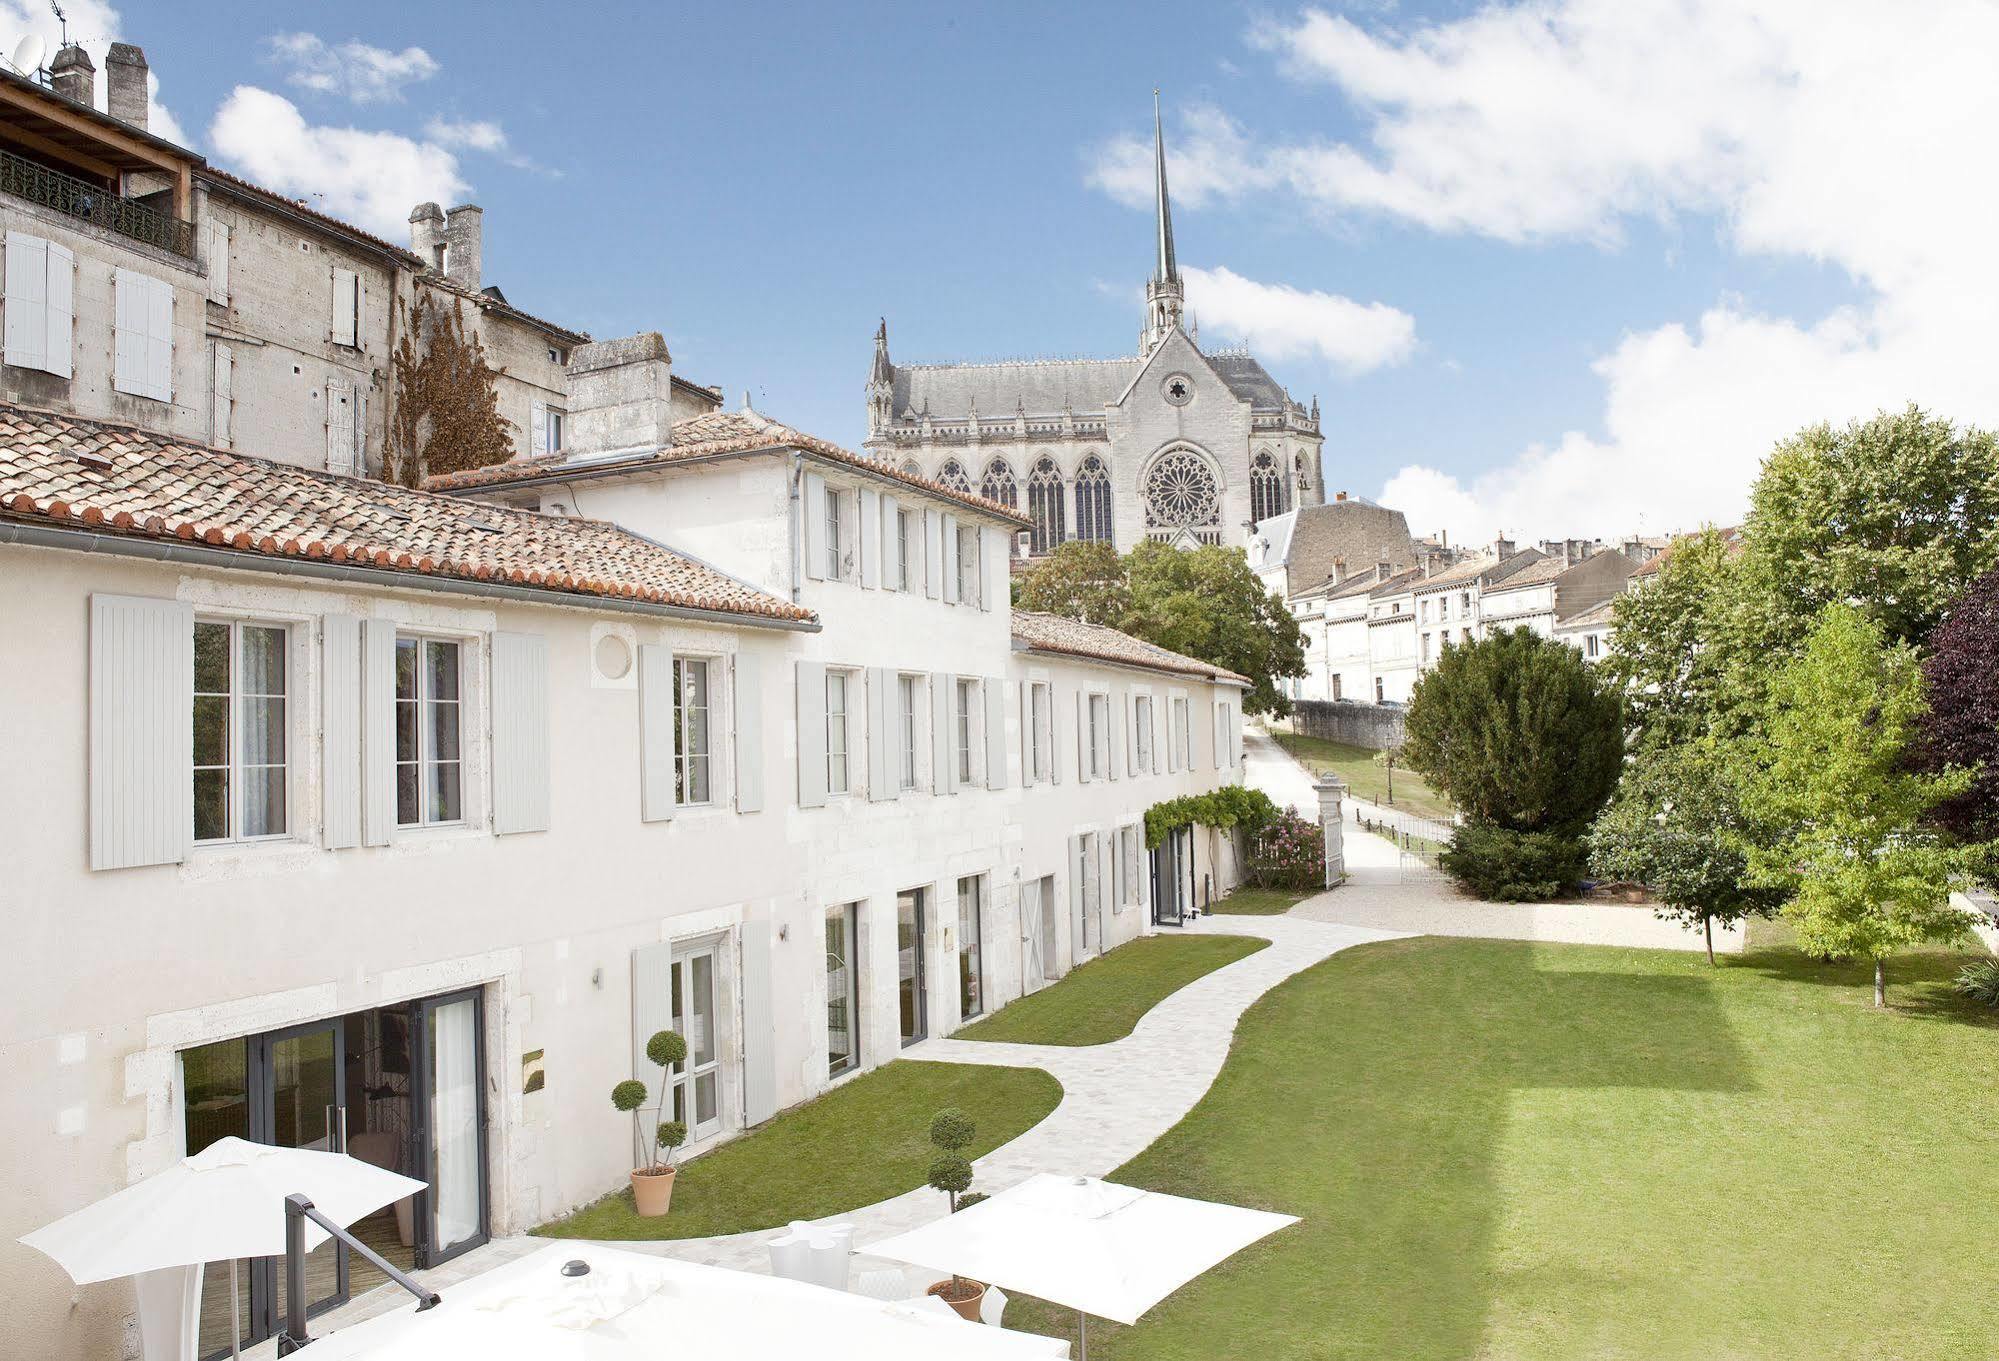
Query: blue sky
[(1604, 286)]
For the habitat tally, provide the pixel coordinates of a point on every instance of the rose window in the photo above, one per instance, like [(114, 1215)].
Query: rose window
[(1180, 491)]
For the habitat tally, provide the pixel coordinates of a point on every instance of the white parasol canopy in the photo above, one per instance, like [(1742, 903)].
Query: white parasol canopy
[(1098, 1247), (226, 1201), (631, 1305)]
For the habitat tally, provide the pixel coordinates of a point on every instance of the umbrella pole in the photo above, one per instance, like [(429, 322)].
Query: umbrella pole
[(1082, 1336), (235, 1315)]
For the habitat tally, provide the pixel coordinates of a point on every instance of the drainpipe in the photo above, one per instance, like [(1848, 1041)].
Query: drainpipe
[(795, 526)]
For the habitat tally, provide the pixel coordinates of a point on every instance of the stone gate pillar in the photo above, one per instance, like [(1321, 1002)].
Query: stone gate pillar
[(1331, 791)]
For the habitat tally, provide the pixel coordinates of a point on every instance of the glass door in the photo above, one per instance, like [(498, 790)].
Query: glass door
[(1033, 964), (450, 1119), (910, 992), (1167, 903), (298, 1100), (697, 1083)]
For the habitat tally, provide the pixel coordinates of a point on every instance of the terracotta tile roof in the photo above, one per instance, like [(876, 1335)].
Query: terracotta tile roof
[(116, 480), (705, 436), (1400, 582), (1072, 638)]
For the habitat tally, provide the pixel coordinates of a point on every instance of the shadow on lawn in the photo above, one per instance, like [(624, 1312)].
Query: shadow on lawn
[(1919, 983)]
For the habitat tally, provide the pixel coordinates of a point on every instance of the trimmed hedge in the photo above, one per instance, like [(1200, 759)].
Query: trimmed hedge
[(1506, 866)]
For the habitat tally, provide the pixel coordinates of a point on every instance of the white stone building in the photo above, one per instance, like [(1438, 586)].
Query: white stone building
[(1173, 443)]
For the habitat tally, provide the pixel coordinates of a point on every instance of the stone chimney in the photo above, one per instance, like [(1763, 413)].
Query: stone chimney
[(462, 240), (73, 75), (427, 235), (125, 84), (620, 397), (1502, 549)]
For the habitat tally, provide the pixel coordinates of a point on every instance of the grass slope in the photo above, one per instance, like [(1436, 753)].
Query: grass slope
[(1261, 902), (1102, 1000), (1512, 1152), (864, 1141), (1356, 766)]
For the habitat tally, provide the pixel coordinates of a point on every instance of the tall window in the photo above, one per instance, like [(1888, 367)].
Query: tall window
[(843, 994), (906, 731), (690, 731), (911, 992), (1039, 733), (836, 732), (904, 538), (998, 484), (428, 771), (1185, 735), (1142, 720), (952, 475), (1100, 736), (967, 696), (1093, 501), (966, 555), (971, 985), (1266, 487), (239, 731), (1044, 507), (833, 546)]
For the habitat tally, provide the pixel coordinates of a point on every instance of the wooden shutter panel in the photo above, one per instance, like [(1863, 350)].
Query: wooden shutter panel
[(995, 691), (891, 540), (520, 733), (986, 539), (340, 728), (27, 303), (759, 1025), (1220, 735), (652, 1010), (948, 534), (1172, 733), (749, 733), (815, 526), (537, 429), (867, 543), (943, 740), (159, 296), (378, 731), (1083, 737), (932, 556), (339, 425), (1129, 727), (61, 281), (881, 735), (1113, 726), (1023, 703), (346, 308), (1054, 737), (128, 363), (812, 735), (656, 801), (141, 731), (1152, 729)]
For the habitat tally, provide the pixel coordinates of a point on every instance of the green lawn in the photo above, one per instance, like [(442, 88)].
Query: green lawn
[(1261, 902), (1514, 1152), (1356, 766), (1102, 1000), (864, 1141)]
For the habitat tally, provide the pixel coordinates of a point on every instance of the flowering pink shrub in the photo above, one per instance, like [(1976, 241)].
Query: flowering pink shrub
[(1289, 852)]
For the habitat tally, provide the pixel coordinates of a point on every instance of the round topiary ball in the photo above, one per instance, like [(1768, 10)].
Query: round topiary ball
[(951, 1128), (666, 1049), (629, 1095), (969, 1199), (671, 1133), (950, 1173)]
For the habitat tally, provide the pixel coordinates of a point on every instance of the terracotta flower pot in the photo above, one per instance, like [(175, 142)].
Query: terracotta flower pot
[(974, 1295), (652, 1191)]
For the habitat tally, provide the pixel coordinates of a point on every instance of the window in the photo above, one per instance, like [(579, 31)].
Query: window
[(1180, 490), (1093, 501), (1089, 873), (912, 999), (906, 731), (1590, 644), (836, 732), (966, 551), (428, 761), (1379, 696), (843, 991), (1464, 603), (544, 430), (1142, 738), (1266, 487), (40, 313), (967, 697), (143, 355), (1426, 649), (1040, 735), (1044, 507), (240, 783), (691, 764), (1100, 736), (833, 546), (998, 484), (1185, 734), (904, 537), (952, 475), (971, 989)]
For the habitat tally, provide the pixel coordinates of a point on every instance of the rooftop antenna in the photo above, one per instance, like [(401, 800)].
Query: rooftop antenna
[(62, 19)]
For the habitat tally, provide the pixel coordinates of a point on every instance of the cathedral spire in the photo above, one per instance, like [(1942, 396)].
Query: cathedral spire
[(1164, 297), (881, 384)]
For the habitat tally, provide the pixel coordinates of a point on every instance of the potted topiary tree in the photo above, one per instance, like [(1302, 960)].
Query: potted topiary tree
[(652, 1180), (951, 1130)]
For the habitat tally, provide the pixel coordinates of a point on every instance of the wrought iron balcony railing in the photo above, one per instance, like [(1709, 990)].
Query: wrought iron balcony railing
[(94, 203)]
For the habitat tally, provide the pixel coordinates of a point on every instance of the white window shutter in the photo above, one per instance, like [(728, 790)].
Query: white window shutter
[(141, 733), (346, 308), (339, 425), (812, 735), (1023, 704), (995, 725), (891, 554), (759, 1025), (867, 543), (986, 540), (224, 394), (656, 802), (1054, 737), (520, 733), (27, 302), (128, 343), (749, 716), (215, 249), (815, 526), (1082, 737), (378, 731), (1077, 899), (652, 1010), (159, 340), (537, 429), (943, 733), (948, 534), (340, 731), (1113, 736), (1172, 734), (1152, 726), (882, 715), (933, 570), (1221, 739), (1128, 727)]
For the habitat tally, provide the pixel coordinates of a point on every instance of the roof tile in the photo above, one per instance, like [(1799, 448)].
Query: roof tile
[(1072, 637)]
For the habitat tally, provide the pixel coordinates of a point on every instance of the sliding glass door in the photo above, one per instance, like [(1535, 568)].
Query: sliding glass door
[(451, 1124), (909, 945), (302, 1074)]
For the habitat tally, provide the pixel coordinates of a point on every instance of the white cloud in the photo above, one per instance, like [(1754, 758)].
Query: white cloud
[(99, 25), (1208, 158), (354, 70), (484, 136), (1828, 130), (1282, 322), (372, 179)]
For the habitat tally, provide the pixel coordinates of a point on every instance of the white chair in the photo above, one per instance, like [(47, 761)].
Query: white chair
[(993, 1307), (890, 1283)]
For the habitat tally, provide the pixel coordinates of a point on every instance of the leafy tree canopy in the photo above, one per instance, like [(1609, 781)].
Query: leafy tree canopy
[(1517, 731), (1961, 725), (1082, 580), (1675, 643)]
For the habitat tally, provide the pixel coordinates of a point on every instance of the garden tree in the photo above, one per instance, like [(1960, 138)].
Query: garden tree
[(1960, 727), (446, 412), (1675, 641), (1677, 826), (1207, 603), (1846, 808), (1081, 579)]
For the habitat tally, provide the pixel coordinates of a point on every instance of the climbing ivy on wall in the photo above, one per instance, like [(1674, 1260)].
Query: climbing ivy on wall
[(447, 414), (1231, 807)]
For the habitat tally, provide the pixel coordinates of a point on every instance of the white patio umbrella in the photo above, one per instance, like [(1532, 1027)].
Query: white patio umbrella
[(1098, 1247), (227, 1201), (628, 1305)]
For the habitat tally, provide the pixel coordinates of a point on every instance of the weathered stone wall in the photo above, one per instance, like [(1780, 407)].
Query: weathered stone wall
[(1377, 727)]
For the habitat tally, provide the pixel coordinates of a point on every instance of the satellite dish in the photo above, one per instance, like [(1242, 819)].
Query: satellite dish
[(28, 54)]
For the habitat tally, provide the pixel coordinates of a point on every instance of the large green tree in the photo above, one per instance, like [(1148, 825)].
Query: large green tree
[(1081, 579), (1848, 810), (1675, 640)]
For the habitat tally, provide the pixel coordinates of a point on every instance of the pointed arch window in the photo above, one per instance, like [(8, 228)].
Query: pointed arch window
[(998, 484), (911, 468), (1093, 501), (1268, 492), (952, 475), (1044, 507)]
